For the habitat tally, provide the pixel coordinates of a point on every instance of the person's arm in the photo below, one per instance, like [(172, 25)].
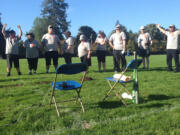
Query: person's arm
[(124, 46), (20, 32), (70, 44), (161, 29), (139, 41), (89, 51), (4, 30)]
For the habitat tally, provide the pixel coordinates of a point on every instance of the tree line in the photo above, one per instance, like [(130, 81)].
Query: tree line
[(54, 12)]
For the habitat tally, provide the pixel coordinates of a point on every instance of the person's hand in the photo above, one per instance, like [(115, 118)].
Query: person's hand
[(5, 25), (157, 25), (88, 56), (18, 26), (123, 52)]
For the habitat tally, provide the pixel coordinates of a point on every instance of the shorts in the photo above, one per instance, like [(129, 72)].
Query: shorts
[(84, 59), (51, 55), (101, 56), (144, 52), (12, 58)]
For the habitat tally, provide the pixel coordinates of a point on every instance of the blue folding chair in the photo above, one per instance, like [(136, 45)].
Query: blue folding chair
[(133, 64), (68, 69)]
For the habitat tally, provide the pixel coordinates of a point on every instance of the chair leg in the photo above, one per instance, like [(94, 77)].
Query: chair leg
[(80, 100), (56, 106), (121, 99), (107, 95)]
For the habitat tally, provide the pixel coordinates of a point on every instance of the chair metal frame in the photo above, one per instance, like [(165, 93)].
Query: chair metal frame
[(123, 84), (78, 90)]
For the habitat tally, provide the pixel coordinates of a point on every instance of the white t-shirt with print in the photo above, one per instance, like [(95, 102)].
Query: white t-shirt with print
[(83, 49), (51, 42), (172, 39), (144, 40), (117, 39)]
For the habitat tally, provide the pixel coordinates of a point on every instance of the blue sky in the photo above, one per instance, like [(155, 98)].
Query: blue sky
[(99, 14)]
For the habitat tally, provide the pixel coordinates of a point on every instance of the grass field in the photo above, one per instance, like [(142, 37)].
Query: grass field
[(24, 102)]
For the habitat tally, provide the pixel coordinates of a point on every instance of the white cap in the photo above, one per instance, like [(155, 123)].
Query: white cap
[(118, 26), (142, 28), (172, 25), (82, 37)]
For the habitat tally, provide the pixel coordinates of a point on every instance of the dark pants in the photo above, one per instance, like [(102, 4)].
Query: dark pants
[(51, 55), (119, 57), (32, 62), (12, 58), (172, 53), (68, 58)]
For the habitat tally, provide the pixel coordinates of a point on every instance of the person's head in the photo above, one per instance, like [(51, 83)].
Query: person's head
[(50, 29), (30, 36), (67, 33), (101, 34), (142, 29), (12, 34), (118, 28), (82, 38), (172, 28)]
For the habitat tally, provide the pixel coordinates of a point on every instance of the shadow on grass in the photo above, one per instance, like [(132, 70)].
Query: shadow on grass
[(110, 104), (154, 69)]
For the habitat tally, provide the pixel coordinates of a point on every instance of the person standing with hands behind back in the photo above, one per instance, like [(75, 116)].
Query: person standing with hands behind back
[(144, 42), (118, 43), (12, 48), (101, 42), (51, 43), (172, 45)]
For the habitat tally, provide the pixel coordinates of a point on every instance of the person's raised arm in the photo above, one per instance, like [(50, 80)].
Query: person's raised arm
[(20, 31), (4, 30), (161, 29)]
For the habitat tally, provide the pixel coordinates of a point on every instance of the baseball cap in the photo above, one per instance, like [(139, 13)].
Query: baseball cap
[(118, 26), (172, 25), (142, 28), (50, 26), (82, 37)]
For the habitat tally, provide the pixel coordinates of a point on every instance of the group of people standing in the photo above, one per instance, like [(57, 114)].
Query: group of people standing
[(50, 45)]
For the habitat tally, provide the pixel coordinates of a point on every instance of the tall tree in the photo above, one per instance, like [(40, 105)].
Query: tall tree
[(55, 12), (40, 27)]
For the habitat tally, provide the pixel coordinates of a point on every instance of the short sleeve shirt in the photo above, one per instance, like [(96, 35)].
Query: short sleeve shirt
[(12, 46), (83, 49), (32, 49), (69, 41), (99, 46), (172, 39), (117, 39), (144, 40), (51, 42)]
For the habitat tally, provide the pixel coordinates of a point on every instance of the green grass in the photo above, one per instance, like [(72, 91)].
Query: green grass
[(24, 102)]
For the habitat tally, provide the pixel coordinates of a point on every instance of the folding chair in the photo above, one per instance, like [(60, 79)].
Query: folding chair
[(68, 69), (133, 64)]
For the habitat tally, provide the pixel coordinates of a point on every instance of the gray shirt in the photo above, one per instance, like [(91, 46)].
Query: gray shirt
[(51, 42), (117, 39), (83, 49), (32, 49), (12, 46), (99, 46)]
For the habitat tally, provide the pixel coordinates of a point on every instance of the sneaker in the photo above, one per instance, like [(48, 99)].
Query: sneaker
[(47, 71), (170, 69), (19, 73), (30, 73), (34, 72), (8, 74)]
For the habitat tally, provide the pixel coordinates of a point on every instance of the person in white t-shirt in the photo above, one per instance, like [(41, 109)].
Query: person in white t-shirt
[(144, 42), (172, 45), (84, 50), (118, 43), (51, 43), (68, 48), (101, 42)]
